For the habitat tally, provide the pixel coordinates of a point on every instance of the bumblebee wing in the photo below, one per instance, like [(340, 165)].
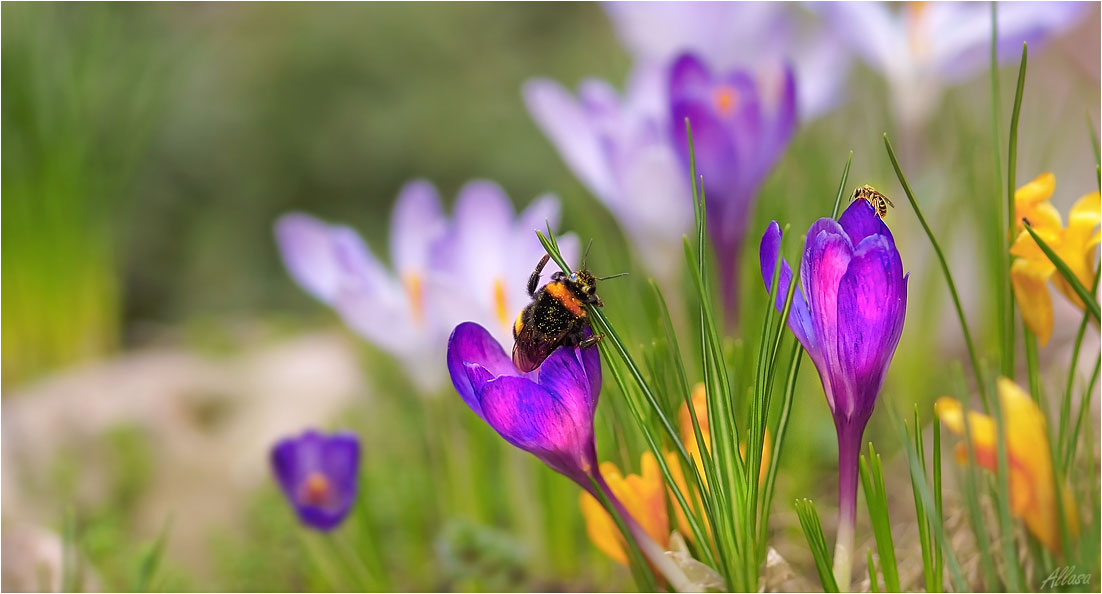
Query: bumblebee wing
[(532, 347)]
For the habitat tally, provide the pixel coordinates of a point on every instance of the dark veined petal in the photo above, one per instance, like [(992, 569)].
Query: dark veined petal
[(567, 374), (872, 303), (799, 317), (860, 221), (536, 420), (470, 343)]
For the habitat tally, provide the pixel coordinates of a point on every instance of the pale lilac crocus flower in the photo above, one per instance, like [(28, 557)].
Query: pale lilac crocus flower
[(759, 37), (922, 47), (619, 147), (409, 311)]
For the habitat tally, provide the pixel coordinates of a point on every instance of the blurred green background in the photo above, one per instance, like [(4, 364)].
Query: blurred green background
[(149, 148)]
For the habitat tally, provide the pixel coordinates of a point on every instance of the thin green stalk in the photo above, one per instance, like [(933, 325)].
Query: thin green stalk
[(1065, 405), (1006, 294), (1069, 276), (876, 499), (924, 540), (874, 586), (813, 531), (917, 477), (151, 561), (945, 270), (639, 568), (842, 187), (939, 509), (1083, 408), (1001, 496), (1033, 371)]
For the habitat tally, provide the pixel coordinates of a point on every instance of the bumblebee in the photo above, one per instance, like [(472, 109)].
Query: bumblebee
[(556, 316), (879, 202)]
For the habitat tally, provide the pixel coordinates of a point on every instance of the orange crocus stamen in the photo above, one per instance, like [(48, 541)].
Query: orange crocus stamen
[(726, 100), (415, 292), (317, 489), (500, 303)]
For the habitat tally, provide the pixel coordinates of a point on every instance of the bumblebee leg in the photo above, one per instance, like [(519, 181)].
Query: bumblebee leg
[(590, 341), (534, 280)]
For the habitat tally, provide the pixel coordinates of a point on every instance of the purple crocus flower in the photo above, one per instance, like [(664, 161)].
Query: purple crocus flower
[(739, 131), (758, 36), (443, 271), (619, 147), (547, 413), (849, 324), (921, 47), (318, 475)]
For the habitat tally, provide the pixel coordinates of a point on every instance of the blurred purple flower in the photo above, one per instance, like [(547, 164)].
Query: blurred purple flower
[(444, 272), (923, 46), (318, 475), (849, 324), (762, 37), (620, 149), (739, 131), (547, 413)]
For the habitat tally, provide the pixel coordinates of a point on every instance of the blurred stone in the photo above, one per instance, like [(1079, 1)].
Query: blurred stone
[(204, 425)]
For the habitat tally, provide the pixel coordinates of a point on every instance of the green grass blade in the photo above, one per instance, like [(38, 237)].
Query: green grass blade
[(874, 585), (841, 187), (876, 499), (1083, 410), (1001, 496), (1069, 276), (151, 560), (945, 271), (1094, 140), (813, 531), (924, 539), (917, 477), (1065, 405)]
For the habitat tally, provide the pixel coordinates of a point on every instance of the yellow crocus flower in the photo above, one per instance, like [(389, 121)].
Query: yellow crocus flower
[(1032, 492), (642, 495), (1075, 244)]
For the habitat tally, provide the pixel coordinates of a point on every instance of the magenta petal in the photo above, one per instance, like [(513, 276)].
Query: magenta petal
[(471, 343), (860, 221), (565, 375), (689, 77), (872, 302), (799, 317), (537, 421)]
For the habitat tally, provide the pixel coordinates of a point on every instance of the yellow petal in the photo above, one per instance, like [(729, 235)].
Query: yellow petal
[(602, 529), (1077, 245), (685, 424), (1028, 279), (1026, 247), (1028, 197), (1032, 492), (642, 495)]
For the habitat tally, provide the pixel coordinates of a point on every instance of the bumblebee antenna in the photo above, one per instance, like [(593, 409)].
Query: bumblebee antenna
[(585, 256), (604, 278)]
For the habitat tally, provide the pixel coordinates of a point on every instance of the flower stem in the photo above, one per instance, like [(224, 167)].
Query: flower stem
[(849, 451)]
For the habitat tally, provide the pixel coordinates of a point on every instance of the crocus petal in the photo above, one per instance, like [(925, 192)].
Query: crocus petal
[(860, 221), (642, 495), (1029, 279), (872, 301), (569, 128), (574, 375), (322, 258), (333, 460), (416, 224), (799, 317), (537, 421), (826, 258), (1033, 497), (471, 343)]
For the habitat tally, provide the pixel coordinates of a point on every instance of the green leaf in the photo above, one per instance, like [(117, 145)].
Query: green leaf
[(876, 498), (151, 560), (945, 271), (813, 531)]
